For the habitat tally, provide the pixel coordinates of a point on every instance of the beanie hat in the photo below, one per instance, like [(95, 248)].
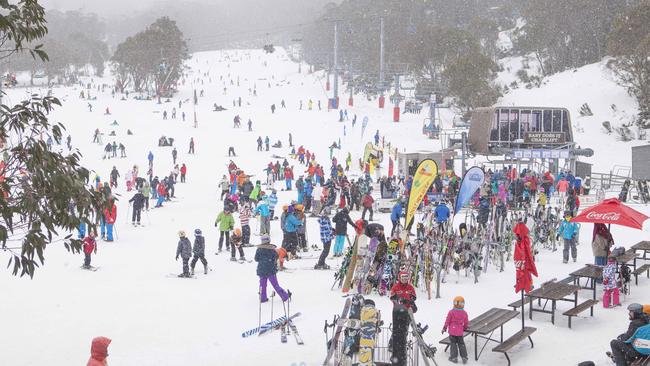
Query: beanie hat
[(459, 302), (266, 239)]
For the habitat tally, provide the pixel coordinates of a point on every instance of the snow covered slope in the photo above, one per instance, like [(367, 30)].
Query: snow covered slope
[(156, 320)]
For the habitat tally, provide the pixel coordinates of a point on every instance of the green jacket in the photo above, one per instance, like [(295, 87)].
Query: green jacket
[(146, 191), (255, 193), (225, 222)]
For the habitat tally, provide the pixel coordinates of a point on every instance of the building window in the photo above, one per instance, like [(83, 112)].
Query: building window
[(525, 122), (536, 121), (566, 126), (557, 121), (494, 127), (504, 131), (548, 123)]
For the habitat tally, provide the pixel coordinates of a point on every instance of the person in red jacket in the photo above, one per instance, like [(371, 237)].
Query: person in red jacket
[(183, 172), (288, 177), (162, 192), (403, 292), (99, 352), (110, 215), (367, 203), (89, 246)]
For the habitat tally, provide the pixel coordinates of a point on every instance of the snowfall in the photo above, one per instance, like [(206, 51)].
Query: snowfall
[(155, 319)]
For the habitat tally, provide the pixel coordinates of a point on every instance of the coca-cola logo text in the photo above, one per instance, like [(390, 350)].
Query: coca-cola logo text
[(605, 216)]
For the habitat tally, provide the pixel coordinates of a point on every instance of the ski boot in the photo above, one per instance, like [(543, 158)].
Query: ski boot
[(318, 266), (453, 360), (205, 270), (242, 259), (233, 259), (182, 275), (192, 272)]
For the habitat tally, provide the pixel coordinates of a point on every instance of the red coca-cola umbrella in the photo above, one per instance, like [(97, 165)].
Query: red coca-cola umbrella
[(612, 211)]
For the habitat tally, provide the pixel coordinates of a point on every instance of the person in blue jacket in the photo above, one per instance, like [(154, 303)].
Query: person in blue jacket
[(442, 215), (569, 231), (272, 200), (634, 343), (291, 224), (265, 216), (395, 215), (267, 257), (150, 158)]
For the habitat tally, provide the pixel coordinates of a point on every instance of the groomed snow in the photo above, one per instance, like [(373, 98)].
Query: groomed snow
[(155, 320)]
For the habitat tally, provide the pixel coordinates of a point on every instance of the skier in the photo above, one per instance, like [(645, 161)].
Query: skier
[(250, 125), (231, 151), (457, 323), (236, 244), (245, 214), (395, 215), (184, 249), (183, 172), (99, 351), (442, 215), (114, 175), (226, 223), (225, 187), (89, 247), (367, 203), (259, 143), (138, 200), (267, 141), (282, 104), (326, 238), (110, 215), (265, 217), (174, 155), (199, 251), (150, 158), (341, 220), (122, 150), (272, 108), (290, 140), (191, 150), (290, 227), (266, 258), (568, 230)]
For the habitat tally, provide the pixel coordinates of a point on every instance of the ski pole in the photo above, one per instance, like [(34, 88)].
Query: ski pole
[(259, 317), (272, 301), (115, 231)]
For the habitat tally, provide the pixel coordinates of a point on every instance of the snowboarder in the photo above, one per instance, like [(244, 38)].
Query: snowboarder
[(266, 258), (199, 251), (457, 323), (89, 247), (184, 250)]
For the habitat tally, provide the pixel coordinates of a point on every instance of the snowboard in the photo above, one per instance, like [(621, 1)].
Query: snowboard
[(333, 343), (360, 246), (351, 343), (367, 263), (369, 318), (400, 332), (387, 275), (93, 269)]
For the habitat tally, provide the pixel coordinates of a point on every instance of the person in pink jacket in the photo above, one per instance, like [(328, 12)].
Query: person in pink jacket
[(99, 352), (457, 322), (562, 187)]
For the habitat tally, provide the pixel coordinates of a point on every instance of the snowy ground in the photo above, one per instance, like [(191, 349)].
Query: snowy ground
[(155, 320)]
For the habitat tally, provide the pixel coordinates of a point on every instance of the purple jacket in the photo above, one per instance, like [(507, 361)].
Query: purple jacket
[(456, 322)]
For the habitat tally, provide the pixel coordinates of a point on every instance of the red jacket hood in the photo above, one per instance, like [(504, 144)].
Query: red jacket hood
[(521, 230), (99, 348)]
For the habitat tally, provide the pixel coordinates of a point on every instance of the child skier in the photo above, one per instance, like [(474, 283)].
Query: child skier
[(245, 214), (266, 258), (89, 246), (225, 222), (199, 251), (457, 322), (236, 243), (184, 249), (610, 287)]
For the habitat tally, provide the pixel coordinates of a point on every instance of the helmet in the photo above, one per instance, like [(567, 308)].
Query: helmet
[(197, 232), (635, 308), (181, 234), (646, 309), (237, 232), (459, 302), (300, 208)]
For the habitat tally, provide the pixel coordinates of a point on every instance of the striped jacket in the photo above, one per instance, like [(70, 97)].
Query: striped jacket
[(325, 229)]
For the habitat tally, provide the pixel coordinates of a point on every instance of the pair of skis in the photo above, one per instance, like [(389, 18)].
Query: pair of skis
[(273, 324)]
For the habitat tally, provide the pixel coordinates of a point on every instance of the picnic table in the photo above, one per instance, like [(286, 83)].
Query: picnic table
[(591, 273), (629, 255), (643, 246), (553, 292)]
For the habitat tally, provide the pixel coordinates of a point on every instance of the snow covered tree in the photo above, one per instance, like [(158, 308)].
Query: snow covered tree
[(471, 81), (629, 43), (43, 194)]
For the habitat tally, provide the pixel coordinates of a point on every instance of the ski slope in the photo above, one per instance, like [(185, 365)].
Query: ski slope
[(156, 320)]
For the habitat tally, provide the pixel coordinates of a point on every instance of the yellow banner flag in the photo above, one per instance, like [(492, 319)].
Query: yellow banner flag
[(422, 180)]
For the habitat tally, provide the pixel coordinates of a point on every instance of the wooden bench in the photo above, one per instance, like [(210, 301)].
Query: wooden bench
[(447, 342), (589, 304), (514, 340), (568, 281), (517, 304), (644, 268)]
